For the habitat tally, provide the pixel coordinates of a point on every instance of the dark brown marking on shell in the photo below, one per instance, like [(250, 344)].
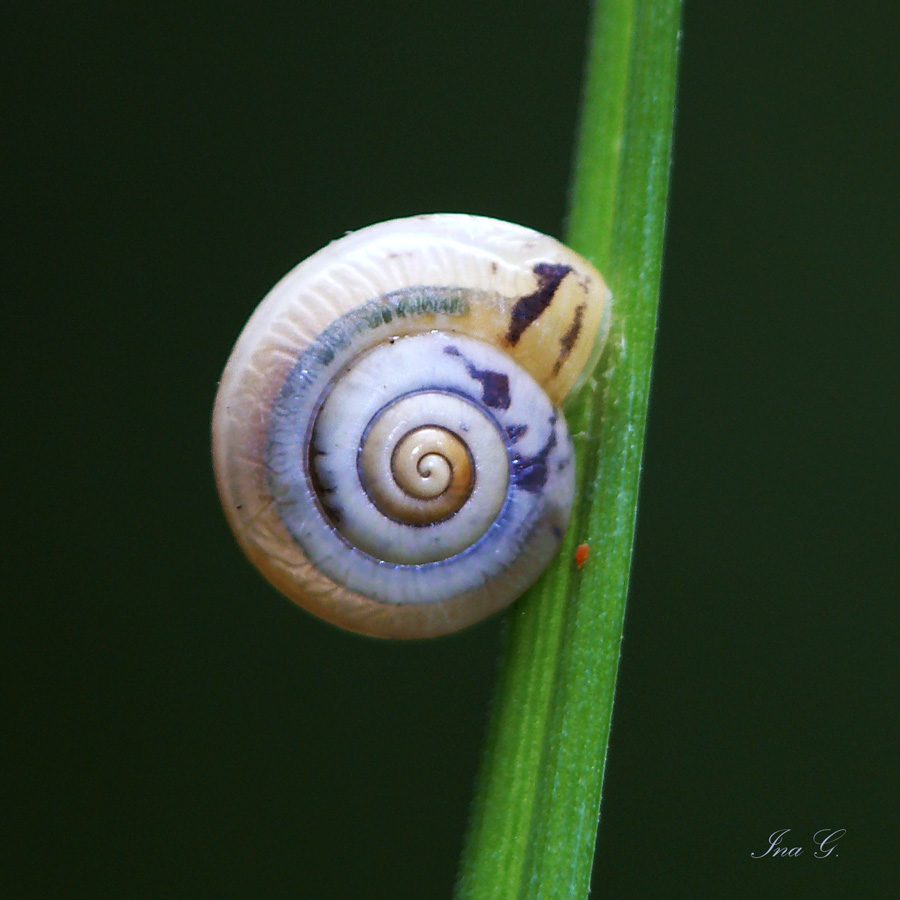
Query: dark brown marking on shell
[(567, 342), (494, 385), (323, 493), (530, 472), (528, 310)]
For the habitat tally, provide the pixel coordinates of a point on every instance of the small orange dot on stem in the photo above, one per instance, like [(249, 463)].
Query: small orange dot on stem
[(581, 555)]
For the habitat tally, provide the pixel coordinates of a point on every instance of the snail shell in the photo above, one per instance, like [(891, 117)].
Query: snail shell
[(387, 438)]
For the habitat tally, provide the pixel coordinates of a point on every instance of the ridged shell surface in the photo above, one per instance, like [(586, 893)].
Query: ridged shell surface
[(387, 437)]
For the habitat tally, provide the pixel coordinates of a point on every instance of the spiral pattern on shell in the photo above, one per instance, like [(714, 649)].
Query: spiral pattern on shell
[(387, 439)]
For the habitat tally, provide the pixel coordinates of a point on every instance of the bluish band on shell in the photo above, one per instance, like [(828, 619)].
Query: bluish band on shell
[(535, 513)]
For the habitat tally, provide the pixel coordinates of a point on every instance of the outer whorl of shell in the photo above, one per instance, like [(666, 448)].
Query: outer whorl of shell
[(386, 436)]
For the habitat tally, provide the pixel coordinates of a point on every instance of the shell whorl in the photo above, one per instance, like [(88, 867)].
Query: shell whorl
[(386, 436)]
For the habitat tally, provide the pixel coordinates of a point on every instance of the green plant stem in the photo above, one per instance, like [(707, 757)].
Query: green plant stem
[(535, 814)]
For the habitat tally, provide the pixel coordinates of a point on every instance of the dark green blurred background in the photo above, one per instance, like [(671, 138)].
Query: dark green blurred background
[(172, 727)]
